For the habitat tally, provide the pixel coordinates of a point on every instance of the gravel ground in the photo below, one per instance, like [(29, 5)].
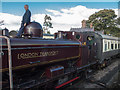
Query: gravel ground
[(108, 77), (102, 73)]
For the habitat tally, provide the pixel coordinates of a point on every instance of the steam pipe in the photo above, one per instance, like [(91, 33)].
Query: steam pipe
[(10, 61)]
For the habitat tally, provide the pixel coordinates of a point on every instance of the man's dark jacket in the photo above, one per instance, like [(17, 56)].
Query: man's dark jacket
[(26, 17)]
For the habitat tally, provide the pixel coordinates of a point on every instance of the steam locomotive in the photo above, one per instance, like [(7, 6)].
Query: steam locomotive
[(31, 61)]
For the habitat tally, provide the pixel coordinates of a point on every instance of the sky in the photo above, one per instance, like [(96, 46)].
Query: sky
[(64, 15), (60, 0), (17, 8)]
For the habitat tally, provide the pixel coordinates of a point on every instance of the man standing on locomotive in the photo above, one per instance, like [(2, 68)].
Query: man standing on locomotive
[(25, 20)]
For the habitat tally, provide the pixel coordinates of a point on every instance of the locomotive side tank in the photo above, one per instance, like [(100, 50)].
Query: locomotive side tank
[(31, 52)]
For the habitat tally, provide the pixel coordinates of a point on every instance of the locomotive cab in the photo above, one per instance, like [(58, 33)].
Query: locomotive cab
[(87, 43)]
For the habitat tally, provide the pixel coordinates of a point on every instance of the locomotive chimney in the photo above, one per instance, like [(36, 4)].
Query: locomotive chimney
[(84, 24)]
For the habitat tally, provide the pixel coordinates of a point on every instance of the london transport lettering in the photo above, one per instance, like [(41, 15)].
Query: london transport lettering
[(36, 54)]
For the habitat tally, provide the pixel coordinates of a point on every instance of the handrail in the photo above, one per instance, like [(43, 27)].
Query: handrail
[(10, 60)]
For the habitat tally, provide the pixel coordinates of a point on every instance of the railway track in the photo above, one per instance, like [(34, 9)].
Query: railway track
[(107, 77)]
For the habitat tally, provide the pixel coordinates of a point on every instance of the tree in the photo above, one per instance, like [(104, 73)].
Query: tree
[(103, 19), (47, 23), (118, 21)]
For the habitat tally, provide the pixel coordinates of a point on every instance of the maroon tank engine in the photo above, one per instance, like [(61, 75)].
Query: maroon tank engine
[(37, 59)]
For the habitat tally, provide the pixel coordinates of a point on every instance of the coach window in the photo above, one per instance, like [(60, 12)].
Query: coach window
[(115, 46), (119, 46), (105, 47), (108, 45), (112, 46)]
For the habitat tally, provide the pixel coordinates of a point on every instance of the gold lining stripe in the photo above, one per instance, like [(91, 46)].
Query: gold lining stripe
[(30, 65), (40, 44)]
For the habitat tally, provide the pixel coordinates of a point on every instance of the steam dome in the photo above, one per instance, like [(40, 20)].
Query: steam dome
[(33, 29)]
